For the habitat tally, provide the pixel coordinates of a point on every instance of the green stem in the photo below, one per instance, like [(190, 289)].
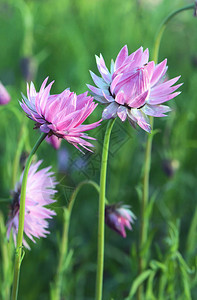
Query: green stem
[(147, 162), (145, 197), (162, 28), (101, 219), (18, 253), (22, 137), (56, 293)]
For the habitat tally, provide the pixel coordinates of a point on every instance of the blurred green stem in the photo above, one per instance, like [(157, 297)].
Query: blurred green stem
[(56, 293), (18, 254), (147, 161), (28, 22), (6, 258), (162, 28), (19, 149), (101, 219)]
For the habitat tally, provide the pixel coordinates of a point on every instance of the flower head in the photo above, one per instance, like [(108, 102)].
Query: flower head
[(61, 115), (118, 216), (133, 87), (39, 192), (4, 96)]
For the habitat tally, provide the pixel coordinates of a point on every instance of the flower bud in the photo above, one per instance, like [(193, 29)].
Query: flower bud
[(118, 216), (4, 95)]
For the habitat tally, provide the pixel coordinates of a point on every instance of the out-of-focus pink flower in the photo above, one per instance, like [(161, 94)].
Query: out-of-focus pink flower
[(118, 216), (61, 115), (54, 141), (39, 192), (4, 95), (133, 88)]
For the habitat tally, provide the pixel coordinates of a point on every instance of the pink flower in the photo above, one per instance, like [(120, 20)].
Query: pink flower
[(39, 192), (118, 216), (61, 115), (133, 88), (4, 96)]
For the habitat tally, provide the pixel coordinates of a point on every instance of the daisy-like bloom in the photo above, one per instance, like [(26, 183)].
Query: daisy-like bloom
[(39, 192), (118, 216), (4, 95), (133, 88), (61, 115)]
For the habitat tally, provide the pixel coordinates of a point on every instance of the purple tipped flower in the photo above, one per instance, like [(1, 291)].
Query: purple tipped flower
[(4, 96), (61, 115), (118, 216), (39, 192), (133, 88)]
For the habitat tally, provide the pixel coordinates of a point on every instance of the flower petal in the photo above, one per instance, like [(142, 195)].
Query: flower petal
[(122, 55), (122, 113), (110, 111), (155, 110)]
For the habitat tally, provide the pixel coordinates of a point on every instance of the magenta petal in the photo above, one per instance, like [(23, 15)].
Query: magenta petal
[(115, 82), (120, 97), (138, 101), (123, 54), (150, 68), (44, 84), (145, 57), (110, 111), (162, 99), (160, 92), (159, 71)]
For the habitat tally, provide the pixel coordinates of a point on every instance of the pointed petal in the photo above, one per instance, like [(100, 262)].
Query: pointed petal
[(138, 101), (141, 119), (103, 69), (120, 98), (155, 110), (122, 113), (110, 111), (98, 80), (115, 82), (122, 55), (162, 99), (159, 71)]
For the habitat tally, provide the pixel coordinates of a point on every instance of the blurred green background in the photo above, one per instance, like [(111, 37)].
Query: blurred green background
[(59, 39)]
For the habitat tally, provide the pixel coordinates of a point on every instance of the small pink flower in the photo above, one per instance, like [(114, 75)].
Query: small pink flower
[(133, 88), (39, 192), (4, 95), (118, 216), (61, 115)]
